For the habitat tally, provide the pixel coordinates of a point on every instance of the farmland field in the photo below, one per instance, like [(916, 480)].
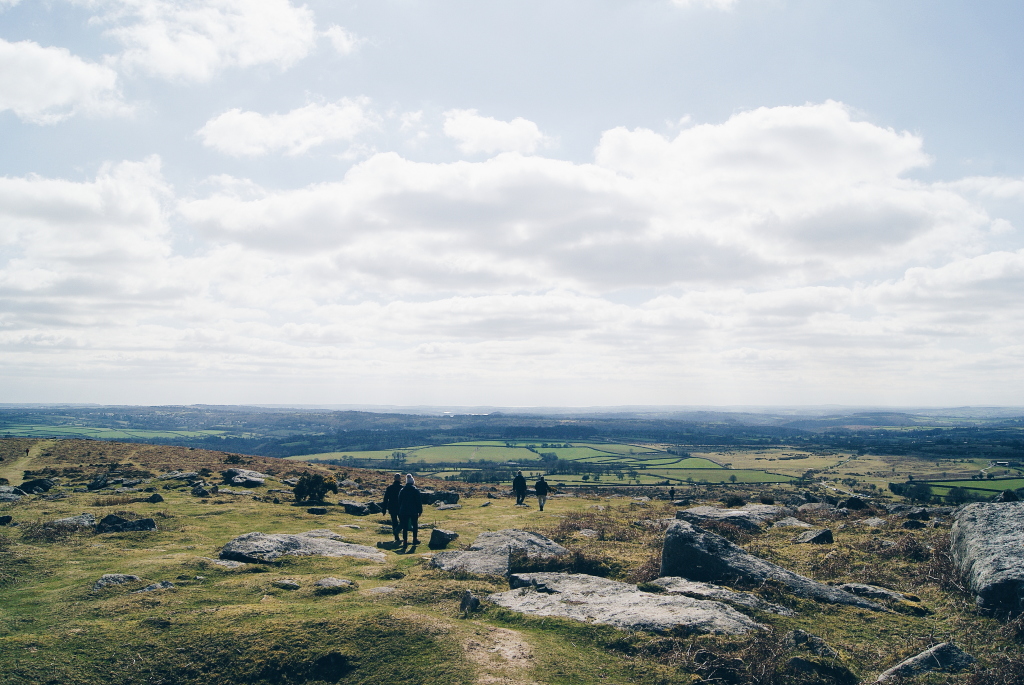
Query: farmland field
[(35, 431), (994, 485)]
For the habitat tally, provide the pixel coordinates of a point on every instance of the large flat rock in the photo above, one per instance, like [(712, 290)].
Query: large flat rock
[(987, 546), (491, 552), (694, 553), (750, 517), (698, 590), (261, 547), (598, 600)]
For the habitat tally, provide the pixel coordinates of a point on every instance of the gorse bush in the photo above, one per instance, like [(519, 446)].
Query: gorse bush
[(312, 487)]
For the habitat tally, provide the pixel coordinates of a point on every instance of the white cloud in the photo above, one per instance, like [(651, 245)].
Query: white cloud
[(713, 4), (780, 254), (44, 85), (344, 42), (478, 134), (250, 134), (193, 40)]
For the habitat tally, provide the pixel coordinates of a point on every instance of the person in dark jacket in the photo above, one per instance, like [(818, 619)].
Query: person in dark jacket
[(390, 503), (409, 509), (542, 488), (519, 487)]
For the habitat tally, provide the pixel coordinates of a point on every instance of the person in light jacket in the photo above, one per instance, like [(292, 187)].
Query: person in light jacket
[(390, 503), (409, 509)]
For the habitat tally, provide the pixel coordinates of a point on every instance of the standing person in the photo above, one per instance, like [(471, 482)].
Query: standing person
[(519, 487), (672, 494), (409, 509), (390, 504), (542, 489)]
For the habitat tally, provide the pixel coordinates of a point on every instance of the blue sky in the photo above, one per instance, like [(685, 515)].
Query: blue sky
[(511, 203)]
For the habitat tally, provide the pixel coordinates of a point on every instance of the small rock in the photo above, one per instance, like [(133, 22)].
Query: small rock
[(1004, 496), (355, 508), (944, 656), (155, 498), (874, 522), (86, 520), (445, 507), (588, 533), (110, 579), (914, 524), (814, 644), (790, 522), (486, 504), (200, 491), (815, 537), (815, 506), (319, 511), (332, 586), (853, 503), (6, 520), (162, 585), (111, 523), (876, 592), (469, 603), (439, 539), (287, 584), (36, 486)]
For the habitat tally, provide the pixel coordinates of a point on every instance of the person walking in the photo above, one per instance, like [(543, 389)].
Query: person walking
[(542, 489), (390, 503), (672, 494), (519, 487), (409, 509)]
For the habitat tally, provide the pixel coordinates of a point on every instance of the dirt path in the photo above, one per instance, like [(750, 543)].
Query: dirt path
[(501, 656), (13, 471)]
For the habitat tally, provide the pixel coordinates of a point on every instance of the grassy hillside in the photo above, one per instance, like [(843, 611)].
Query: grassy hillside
[(401, 624)]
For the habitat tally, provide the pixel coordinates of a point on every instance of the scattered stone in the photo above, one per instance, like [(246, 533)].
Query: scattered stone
[(491, 553), (226, 563), (790, 522), (876, 592), (374, 508), (855, 503), (491, 495), (318, 511), (262, 548), (355, 508), (588, 533), (10, 494), (914, 524), (821, 672), (112, 523), (179, 475), (944, 656), (874, 522), (226, 491), (599, 600), (802, 639), (918, 513), (111, 579), (446, 507), (486, 504), (244, 477), (332, 586), (439, 538), (815, 506), (383, 590), (37, 486), (815, 537), (98, 483), (750, 517), (642, 500), (469, 603), (987, 546), (698, 590), (162, 585), (6, 520), (200, 491), (155, 498), (287, 584), (86, 520), (697, 554), (439, 497)]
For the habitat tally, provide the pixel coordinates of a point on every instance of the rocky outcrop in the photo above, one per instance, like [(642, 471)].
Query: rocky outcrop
[(37, 486), (332, 586), (491, 553), (599, 600), (790, 522), (815, 537), (987, 546), (801, 639), (698, 590), (697, 554), (112, 579), (85, 520), (439, 497), (244, 478), (944, 656), (876, 592), (179, 475), (751, 517), (111, 523), (353, 508), (10, 494), (262, 548), (439, 538)]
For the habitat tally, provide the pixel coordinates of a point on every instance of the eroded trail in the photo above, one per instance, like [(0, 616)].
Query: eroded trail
[(14, 470), (501, 656)]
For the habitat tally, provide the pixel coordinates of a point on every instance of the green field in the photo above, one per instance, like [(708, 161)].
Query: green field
[(35, 431), (994, 485)]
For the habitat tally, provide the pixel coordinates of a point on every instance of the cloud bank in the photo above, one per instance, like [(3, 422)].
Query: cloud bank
[(784, 251)]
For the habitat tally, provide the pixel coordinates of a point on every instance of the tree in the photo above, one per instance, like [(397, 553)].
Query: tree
[(732, 478), (921, 492)]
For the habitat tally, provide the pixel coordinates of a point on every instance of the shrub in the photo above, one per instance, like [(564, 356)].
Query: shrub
[(312, 487)]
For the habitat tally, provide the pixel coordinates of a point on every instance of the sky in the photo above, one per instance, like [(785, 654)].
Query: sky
[(512, 203)]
